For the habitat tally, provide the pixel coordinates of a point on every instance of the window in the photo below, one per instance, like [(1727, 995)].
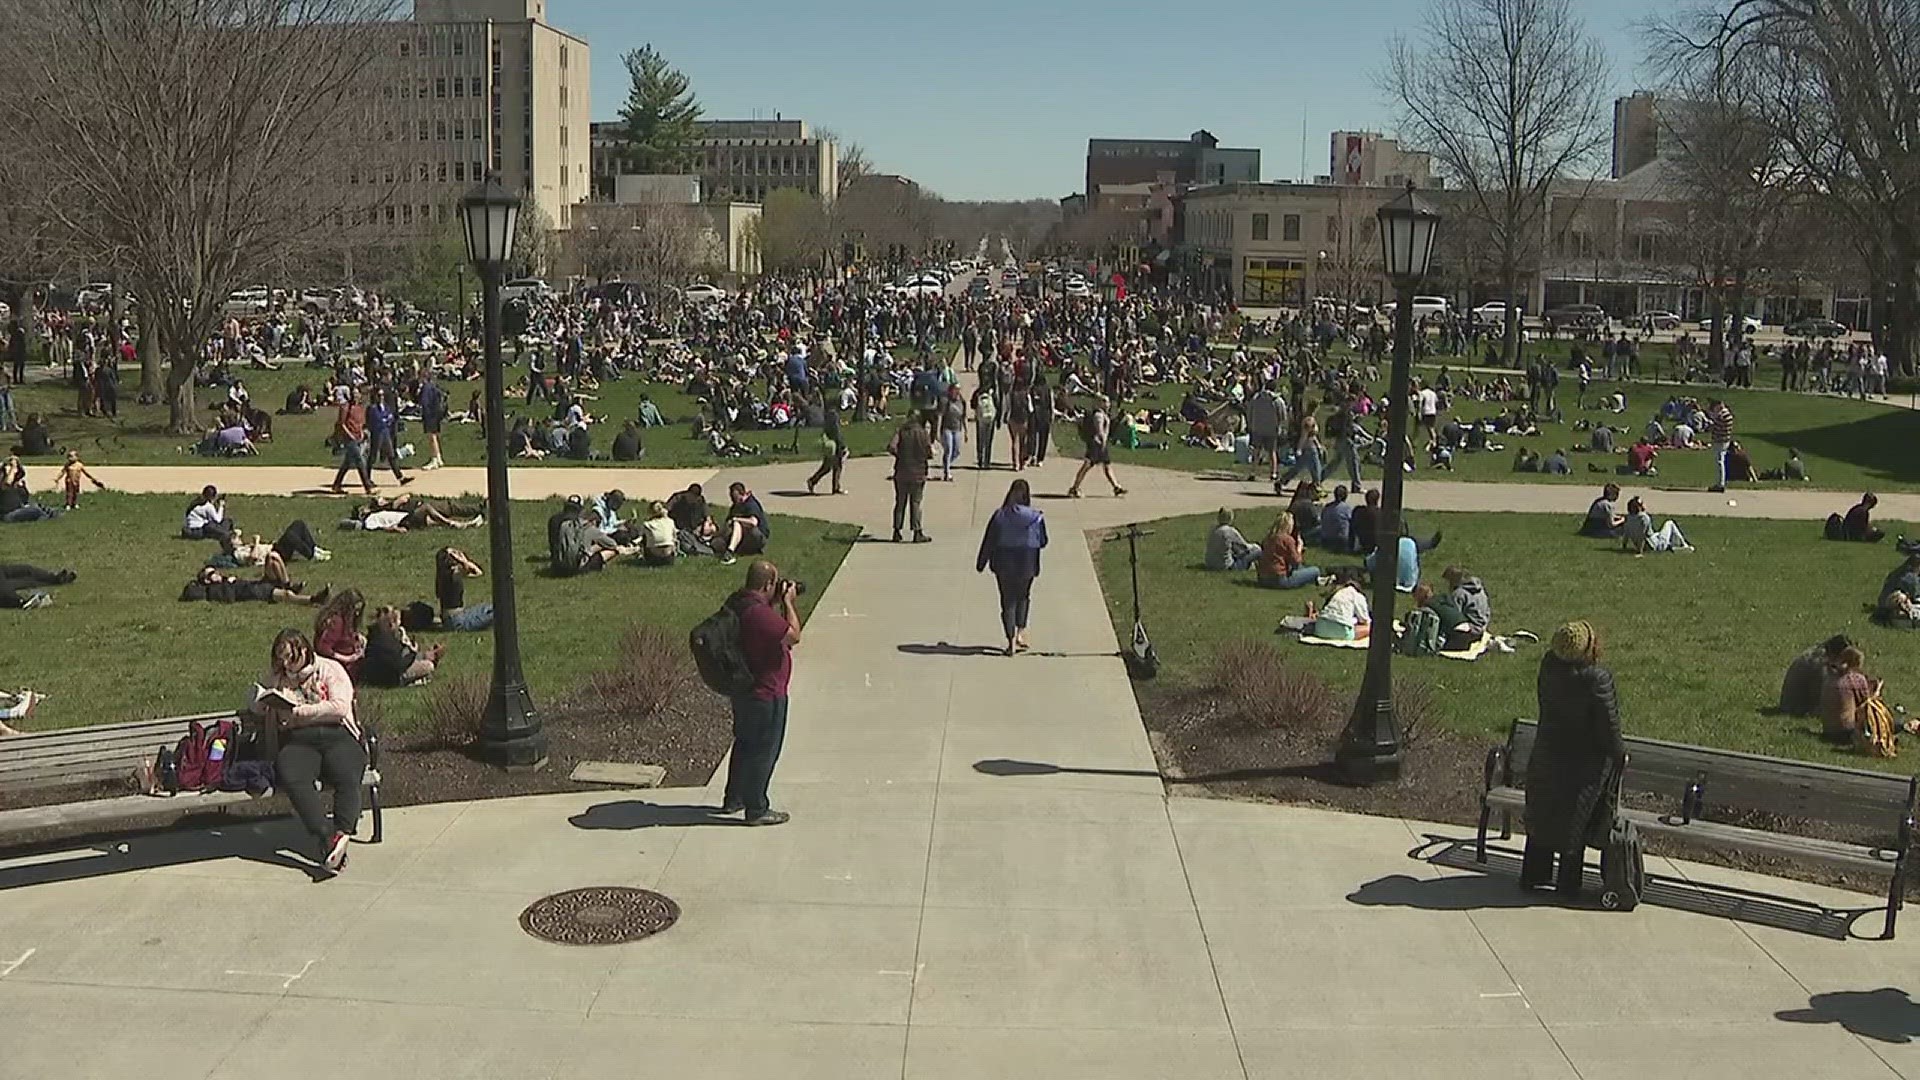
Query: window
[(423, 172), (563, 58), (406, 90), (1290, 228), (563, 97), (442, 172), (476, 91), (459, 85), (439, 88), (406, 48), (406, 214), (1259, 226), (563, 136), (423, 131), (459, 48), (389, 215), (423, 89), (460, 171), (1333, 228), (459, 131), (440, 130), (479, 173), (1647, 247)]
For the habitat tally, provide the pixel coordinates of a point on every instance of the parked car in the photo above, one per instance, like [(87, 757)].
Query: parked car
[(1423, 306), (1077, 287), (1814, 326), (1009, 276), (253, 300), (97, 294), (525, 289), (704, 292), (1660, 320), (1749, 324), (1491, 313), (1584, 316)]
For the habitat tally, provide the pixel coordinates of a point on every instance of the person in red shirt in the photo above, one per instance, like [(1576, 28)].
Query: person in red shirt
[(350, 436), (769, 629), (1640, 458)]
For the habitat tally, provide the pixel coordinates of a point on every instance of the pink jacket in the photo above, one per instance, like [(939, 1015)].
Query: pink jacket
[(329, 690)]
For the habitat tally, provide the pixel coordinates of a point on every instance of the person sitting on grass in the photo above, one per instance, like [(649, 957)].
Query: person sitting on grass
[(747, 527), (1336, 522), (392, 658), (1226, 548), (1640, 458), (1603, 520), (1456, 629), (1305, 511), (336, 630), (1406, 573), (1346, 615), (1469, 594), (16, 502), (693, 519), (1794, 469), (1857, 525), (585, 547), (1800, 688), (35, 440), (1843, 696), (451, 569), (1281, 563), (1557, 463), (1899, 601), (207, 518), (1526, 461), (1739, 462), (659, 536), (1638, 535), (627, 446), (210, 584)]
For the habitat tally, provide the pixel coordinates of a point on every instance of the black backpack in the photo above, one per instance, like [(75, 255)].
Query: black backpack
[(1836, 527), (715, 644)]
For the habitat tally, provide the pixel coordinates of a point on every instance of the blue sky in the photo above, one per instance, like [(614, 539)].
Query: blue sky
[(996, 99)]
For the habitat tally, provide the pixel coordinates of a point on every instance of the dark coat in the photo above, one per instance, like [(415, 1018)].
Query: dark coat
[(1574, 754)]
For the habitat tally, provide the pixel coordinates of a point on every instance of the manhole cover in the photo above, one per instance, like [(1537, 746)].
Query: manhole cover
[(602, 915)]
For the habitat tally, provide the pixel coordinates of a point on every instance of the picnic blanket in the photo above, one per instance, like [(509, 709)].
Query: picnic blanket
[(1469, 654)]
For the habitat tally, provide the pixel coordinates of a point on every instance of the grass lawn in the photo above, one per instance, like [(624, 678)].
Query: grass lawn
[(139, 436), (118, 644), (1848, 445), (1697, 642)]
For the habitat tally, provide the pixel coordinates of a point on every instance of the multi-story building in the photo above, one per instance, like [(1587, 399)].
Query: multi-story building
[(1370, 159), (471, 87), (1636, 132), (1283, 243), (1112, 164), (738, 160)]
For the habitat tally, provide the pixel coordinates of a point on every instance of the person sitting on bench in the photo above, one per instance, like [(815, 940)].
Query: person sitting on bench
[(319, 739)]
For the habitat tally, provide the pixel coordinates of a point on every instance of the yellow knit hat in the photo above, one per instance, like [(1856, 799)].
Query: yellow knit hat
[(1575, 642)]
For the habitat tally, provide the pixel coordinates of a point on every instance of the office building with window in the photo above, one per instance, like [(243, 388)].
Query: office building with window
[(1280, 244), (1370, 159), (738, 160), (1115, 165), (469, 87)]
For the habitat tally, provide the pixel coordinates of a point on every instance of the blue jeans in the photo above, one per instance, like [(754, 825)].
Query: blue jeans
[(1308, 463), (1245, 559), (30, 512), (759, 730), (1344, 450), (949, 452), (1299, 579), (471, 617)]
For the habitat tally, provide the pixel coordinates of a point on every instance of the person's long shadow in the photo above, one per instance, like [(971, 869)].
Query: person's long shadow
[(1324, 771), (1452, 893), (264, 841), (947, 648), (1886, 1014), (639, 814)]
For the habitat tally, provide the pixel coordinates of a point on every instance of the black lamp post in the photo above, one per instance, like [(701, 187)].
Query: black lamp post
[(510, 734), (1370, 746)]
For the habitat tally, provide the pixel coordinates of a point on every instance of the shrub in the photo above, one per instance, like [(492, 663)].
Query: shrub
[(1258, 690), (652, 671), (1414, 707), (455, 708)]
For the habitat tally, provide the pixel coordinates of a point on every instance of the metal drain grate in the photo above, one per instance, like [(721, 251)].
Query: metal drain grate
[(601, 915)]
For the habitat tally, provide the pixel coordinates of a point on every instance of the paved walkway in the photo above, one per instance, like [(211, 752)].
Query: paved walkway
[(984, 877)]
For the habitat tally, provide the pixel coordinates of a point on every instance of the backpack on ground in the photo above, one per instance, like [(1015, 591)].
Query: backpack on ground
[(1836, 527), (1422, 634), (571, 550), (1874, 734), (1623, 869), (200, 758), (717, 651)]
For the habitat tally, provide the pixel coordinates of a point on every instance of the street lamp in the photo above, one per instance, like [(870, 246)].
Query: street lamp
[(510, 733), (1370, 746)]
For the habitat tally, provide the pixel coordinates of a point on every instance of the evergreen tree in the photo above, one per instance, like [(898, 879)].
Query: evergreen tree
[(661, 117)]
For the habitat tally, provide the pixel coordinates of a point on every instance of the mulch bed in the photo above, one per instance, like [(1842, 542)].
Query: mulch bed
[(1199, 745)]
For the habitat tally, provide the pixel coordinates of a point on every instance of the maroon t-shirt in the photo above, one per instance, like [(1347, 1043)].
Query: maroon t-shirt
[(763, 638)]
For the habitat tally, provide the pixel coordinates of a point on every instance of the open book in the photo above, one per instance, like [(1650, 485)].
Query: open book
[(264, 698)]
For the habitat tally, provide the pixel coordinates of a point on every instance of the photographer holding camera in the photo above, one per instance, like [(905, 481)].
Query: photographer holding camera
[(769, 629)]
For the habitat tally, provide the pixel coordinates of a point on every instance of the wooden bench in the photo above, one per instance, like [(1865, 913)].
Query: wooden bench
[(1695, 789), (114, 752)]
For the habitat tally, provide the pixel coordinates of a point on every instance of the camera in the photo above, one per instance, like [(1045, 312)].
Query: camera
[(798, 588)]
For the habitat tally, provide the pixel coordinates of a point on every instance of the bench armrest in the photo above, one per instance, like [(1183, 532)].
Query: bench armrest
[(1495, 769)]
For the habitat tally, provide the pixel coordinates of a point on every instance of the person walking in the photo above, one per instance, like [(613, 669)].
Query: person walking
[(833, 450), (912, 450), (1094, 431), (382, 420), (1011, 547), (1040, 420), (986, 418), (769, 629), (350, 436), (1575, 756), (1019, 411), (953, 425)]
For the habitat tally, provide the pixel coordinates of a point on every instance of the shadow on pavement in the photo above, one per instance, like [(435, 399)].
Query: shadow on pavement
[(1458, 893), (1886, 1014), (263, 842), (638, 814), (944, 648), (1325, 771)]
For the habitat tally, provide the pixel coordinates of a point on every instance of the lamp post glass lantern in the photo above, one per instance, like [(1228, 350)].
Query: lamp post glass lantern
[(1370, 746), (510, 732)]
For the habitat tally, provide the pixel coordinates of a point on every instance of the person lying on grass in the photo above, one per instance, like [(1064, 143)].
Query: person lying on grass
[(216, 587), (406, 512), (16, 707)]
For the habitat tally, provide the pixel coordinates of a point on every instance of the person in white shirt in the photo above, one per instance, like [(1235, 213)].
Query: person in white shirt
[(1880, 374), (207, 518), (659, 540), (1346, 616)]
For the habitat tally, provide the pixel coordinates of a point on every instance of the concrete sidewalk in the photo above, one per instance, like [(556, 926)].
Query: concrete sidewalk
[(984, 877)]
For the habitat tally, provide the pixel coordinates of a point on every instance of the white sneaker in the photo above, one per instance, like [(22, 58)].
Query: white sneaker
[(37, 600), (434, 464), (321, 554)]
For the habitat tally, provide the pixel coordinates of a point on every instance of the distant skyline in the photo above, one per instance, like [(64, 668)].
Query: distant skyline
[(996, 100)]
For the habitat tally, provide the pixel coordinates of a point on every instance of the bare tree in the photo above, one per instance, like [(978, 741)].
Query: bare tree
[(851, 157), (600, 251), (191, 140), (1507, 95), (668, 241), (795, 230), (1349, 265), (1837, 82), (536, 242)]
